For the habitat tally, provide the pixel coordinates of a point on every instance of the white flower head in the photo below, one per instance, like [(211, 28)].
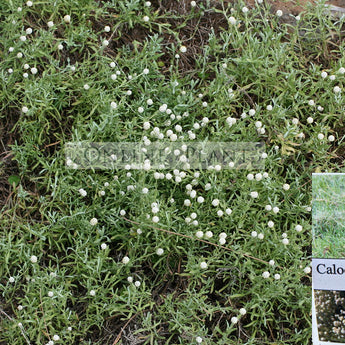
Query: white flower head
[(125, 260), (199, 234), (208, 234), (232, 20), (286, 186), (250, 177), (183, 49), (258, 177), (336, 89), (200, 199), (298, 228), (285, 241), (222, 241), (307, 270), (220, 213), (215, 202), (67, 18), (228, 211), (265, 274), (258, 124), (234, 320), (203, 265), (160, 251), (94, 221), (33, 259), (254, 194)]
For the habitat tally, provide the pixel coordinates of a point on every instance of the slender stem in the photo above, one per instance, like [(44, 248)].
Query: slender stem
[(200, 240)]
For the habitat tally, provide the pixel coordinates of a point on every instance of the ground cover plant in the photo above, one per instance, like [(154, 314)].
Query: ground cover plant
[(217, 256), (328, 215), (330, 315)]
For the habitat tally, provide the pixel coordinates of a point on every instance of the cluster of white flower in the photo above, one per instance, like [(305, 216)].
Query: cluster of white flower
[(285, 240), (82, 192), (235, 319), (222, 238), (267, 274), (137, 283)]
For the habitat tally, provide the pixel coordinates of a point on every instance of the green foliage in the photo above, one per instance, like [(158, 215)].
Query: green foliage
[(328, 215), (81, 224)]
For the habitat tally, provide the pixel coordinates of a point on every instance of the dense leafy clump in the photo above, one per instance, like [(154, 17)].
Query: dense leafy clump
[(162, 256), (328, 215), (330, 315)]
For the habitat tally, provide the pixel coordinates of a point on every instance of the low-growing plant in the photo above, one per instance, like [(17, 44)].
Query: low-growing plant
[(162, 256)]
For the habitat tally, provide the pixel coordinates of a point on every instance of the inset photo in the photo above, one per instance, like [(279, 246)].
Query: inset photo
[(330, 316), (328, 213)]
